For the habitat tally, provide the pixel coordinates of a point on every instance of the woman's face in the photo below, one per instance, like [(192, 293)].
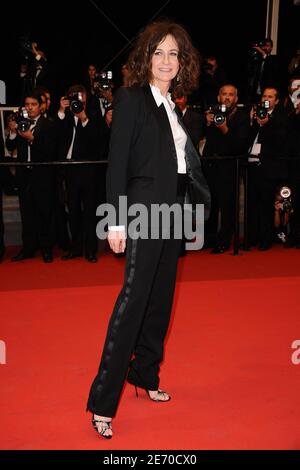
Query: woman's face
[(165, 64), (92, 71)]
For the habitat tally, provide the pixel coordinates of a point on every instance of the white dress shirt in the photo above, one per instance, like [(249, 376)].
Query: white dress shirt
[(62, 116), (179, 135), (255, 148)]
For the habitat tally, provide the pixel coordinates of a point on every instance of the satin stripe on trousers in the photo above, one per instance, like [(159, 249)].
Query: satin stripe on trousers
[(139, 322)]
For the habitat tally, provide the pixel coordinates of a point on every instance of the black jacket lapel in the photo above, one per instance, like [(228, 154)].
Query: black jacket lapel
[(161, 116)]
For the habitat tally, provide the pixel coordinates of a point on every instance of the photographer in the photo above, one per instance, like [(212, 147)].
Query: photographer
[(34, 67), (283, 213), (103, 87), (293, 66), (292, 100), (212, 78), (34, 138), (88, 79), (103, 94), (263, 69), (267, 141), (81, 137), (226, 135), (293, 152)]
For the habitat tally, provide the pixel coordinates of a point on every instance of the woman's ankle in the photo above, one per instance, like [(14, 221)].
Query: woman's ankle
[(106, 419)]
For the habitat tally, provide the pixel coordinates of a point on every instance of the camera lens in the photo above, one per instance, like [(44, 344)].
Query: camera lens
[(285, 192), (261, 113), (219, 119), (23, 126), (76, 106)]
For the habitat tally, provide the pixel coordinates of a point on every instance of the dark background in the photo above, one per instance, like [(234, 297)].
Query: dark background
[(73, 36)]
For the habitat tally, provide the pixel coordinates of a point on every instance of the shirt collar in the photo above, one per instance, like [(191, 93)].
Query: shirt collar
[(159, 98)]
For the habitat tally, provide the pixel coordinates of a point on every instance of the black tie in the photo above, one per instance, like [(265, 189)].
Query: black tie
[(76, 144)]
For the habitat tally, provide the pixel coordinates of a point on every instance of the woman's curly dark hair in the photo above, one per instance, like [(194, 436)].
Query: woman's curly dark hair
[(139, 62)]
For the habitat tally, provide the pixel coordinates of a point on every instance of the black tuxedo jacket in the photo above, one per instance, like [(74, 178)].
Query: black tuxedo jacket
[(90, 141), (42, 149), (142, 161), (234, 142), (273, 140)]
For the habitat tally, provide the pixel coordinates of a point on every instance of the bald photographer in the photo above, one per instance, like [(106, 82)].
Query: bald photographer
[(227, 129)]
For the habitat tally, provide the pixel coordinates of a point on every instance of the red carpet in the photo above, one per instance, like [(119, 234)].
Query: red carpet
[(227, 366)]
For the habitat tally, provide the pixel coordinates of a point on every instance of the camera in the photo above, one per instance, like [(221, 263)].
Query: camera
[(261, 109), (22, 119), (76, 104), (295, 96), (107, 105), (103, 82), (254, 54), (219, 111), (284, 196)]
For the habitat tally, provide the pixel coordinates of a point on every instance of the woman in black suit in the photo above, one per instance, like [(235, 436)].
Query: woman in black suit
[(152, 161)]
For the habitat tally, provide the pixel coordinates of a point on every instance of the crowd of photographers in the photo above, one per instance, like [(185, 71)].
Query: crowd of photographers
[(58, 202)]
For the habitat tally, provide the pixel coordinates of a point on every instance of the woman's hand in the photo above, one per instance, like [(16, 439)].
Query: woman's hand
[(117, 240)]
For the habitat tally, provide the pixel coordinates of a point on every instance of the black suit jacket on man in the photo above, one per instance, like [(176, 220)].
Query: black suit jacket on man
[(233, 143), (89, 143), (42, 149), (142, 161), (272, 137)]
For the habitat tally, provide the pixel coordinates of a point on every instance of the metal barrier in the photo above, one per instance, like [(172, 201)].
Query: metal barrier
[(238, 159)]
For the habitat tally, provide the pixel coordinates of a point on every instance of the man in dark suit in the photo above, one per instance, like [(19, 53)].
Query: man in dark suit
[(224, 139), (267, 143), (212, 78), (35, 183), (34, 69), (82, 136), (263, 70), (292, 107)]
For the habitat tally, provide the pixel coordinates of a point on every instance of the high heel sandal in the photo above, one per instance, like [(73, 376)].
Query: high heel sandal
[(159, 396), (105, 426)]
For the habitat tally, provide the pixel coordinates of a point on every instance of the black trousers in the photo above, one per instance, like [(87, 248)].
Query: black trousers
[(221, 181), (81, 200), (261, 200), (36, 209), (138, 324)]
